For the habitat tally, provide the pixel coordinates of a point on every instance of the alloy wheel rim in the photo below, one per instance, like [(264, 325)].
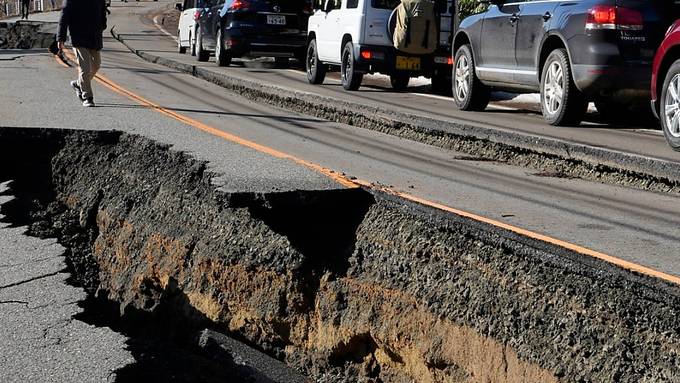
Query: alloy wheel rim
[(553, 88), (462, 78), (671, 110)]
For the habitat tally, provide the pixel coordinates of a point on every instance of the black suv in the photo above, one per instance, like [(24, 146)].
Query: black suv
[(572, 52), (254, 28)]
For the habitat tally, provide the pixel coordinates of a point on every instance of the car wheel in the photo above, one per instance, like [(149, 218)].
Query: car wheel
[(399, 82), (281, 62), (670, 106), (180, 48), (316, 70), (468, 92), (201, 54), (222, 57), (562, 103), (192, 44), (351, 79)]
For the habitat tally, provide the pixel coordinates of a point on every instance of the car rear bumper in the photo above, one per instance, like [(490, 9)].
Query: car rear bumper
[(613, 80), (384, 58), (240, 42)]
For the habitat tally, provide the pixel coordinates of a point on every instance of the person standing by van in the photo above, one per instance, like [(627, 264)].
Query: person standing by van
[(85, 21)]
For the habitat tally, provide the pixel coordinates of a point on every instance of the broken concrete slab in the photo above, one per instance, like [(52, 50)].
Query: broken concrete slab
[(255, 365)]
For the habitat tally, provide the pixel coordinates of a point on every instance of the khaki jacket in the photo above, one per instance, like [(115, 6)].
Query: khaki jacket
[(416, 27)]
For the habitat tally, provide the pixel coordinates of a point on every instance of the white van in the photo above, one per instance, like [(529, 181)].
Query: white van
[(190, 11), (357, 36)]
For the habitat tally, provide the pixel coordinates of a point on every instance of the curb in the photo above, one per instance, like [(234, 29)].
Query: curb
[(430, 130)]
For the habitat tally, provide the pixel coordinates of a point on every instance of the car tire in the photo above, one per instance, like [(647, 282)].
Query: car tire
[(180, 48), (351, 79), (399, 82), (222, 57), (316, 70), (192, 43), (468, 92), (201, 54), (281, 62), (669, 106), (562, 104)]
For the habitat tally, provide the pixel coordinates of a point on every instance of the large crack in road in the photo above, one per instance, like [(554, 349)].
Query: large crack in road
[(343, 285)]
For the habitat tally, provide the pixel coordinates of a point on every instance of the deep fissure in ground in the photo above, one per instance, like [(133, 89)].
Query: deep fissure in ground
[(343, 285)]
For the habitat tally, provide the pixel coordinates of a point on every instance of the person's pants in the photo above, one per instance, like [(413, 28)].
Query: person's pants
[(24, 9), (89, 61)]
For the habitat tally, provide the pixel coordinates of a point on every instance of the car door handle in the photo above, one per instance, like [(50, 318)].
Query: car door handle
[(547, 16), (514, 18)]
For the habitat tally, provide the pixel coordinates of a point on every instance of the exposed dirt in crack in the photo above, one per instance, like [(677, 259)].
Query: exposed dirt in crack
[(344, 285), (26, 35)]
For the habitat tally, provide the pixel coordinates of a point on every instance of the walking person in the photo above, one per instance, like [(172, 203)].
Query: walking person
[(25, 5), (85, 21)]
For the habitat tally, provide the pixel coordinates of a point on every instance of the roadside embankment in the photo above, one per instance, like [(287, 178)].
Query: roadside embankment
[(26, 34), (546, 155), (344, 285)]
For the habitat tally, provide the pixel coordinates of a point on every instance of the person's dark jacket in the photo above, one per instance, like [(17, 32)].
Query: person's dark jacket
[(85, 21)]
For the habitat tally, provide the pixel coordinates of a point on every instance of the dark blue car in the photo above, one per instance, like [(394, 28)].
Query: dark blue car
[(253, 28)]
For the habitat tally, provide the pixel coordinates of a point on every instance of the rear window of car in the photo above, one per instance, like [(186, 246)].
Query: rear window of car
[(385, 4)]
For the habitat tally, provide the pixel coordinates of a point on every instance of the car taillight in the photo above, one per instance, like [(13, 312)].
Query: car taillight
[(239, 5), (197, 15), (612, 17), (371, 55)]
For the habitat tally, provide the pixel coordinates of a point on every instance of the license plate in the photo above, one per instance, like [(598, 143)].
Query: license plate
[(408, 63), (276, 20)]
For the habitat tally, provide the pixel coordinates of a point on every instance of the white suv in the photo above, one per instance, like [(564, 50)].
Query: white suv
[(356, 35), (190, 11)]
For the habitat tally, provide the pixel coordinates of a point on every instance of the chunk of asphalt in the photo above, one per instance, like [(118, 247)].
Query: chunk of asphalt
[(260, 367)]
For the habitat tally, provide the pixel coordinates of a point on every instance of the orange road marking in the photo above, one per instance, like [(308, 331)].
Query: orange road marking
[(355, 183), (56, 58), (217, 132)]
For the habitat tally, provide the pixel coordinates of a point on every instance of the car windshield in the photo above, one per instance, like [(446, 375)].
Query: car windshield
[(385, 4)]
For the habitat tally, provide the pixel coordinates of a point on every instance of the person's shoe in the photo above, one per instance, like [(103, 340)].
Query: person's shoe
[(79, 92), (88, 103)]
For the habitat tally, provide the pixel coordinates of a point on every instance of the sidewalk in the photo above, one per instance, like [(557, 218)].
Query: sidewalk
[(44, 17)]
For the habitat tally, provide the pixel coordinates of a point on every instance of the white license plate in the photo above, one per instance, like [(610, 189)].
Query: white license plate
[(276, 20)]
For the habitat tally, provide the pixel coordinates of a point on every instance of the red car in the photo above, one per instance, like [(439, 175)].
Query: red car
[(666, 85)]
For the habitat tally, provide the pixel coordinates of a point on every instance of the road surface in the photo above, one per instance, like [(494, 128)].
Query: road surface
[(630, 224)]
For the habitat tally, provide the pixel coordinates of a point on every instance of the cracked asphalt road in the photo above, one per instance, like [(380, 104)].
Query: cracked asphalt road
[(41, 341)]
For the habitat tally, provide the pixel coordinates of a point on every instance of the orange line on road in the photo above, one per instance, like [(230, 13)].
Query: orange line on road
[(354, 183), (220, 133)]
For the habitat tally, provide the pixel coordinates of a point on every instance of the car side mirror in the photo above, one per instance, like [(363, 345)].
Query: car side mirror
[(179, 7)]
